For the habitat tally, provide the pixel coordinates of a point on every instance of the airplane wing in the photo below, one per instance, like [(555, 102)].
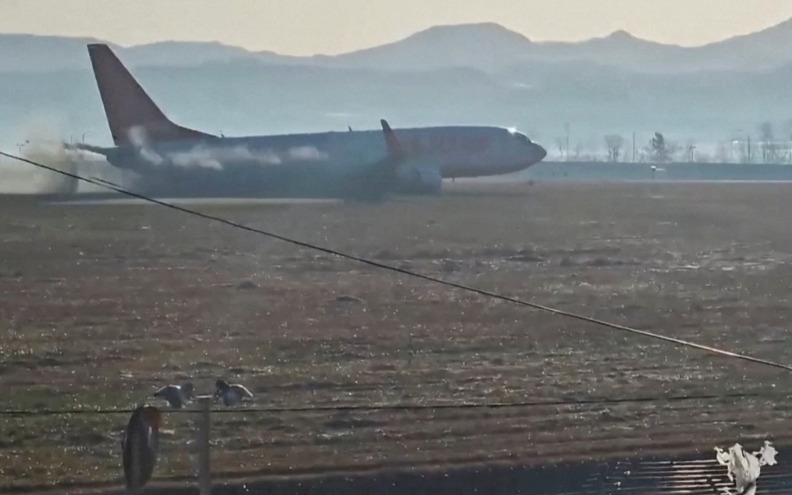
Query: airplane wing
[(374, 180), (401, 167)]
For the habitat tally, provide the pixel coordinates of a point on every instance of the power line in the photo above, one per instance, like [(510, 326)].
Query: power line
[(404, 407), (376, 264)]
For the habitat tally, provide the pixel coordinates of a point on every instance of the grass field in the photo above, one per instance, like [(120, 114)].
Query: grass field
[(103, 304)]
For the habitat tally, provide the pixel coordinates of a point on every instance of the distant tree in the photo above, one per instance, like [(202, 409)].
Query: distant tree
[(766, 131), (560, 143), (767, 138), (578, 151), (691, 151), (614, 143), (744, 148), (723, 153), (659, 150)]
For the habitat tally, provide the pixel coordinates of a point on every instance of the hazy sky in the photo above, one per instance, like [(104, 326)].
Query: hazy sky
[(303, 27)]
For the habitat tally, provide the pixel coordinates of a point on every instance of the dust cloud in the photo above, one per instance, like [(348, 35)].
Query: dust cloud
[(42, 143)]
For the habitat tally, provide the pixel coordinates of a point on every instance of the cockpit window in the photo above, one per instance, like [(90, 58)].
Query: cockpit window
[(522, 138)]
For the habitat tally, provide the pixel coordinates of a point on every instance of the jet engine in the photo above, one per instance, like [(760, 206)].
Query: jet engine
[(420, 181)]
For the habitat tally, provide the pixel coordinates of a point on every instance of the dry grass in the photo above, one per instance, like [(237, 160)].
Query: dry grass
[(103, 304)]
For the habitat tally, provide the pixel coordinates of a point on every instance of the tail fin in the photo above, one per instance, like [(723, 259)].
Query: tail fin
[(132, 115)]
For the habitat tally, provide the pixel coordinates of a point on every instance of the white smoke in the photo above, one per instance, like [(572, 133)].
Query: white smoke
[(306, 153), (39, 139), (202, 156), (52, 154), (139, 138), (217, 157)]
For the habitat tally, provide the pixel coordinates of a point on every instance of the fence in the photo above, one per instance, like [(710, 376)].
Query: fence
[(462, 424)]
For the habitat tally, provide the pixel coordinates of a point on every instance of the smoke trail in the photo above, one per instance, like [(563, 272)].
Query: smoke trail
[(306, 153), (139, 138), (218, 157), (40, 141), (215, 158), (55, 155)]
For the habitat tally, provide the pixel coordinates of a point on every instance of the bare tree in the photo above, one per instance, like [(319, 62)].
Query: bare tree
[(766, 131), (614, 142), (659, 150), (560, 142), (744, 149), (578, 151), (723, 153), (691, 151), (767, 142)]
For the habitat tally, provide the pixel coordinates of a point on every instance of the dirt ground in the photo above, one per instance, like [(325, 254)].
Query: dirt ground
[(103, 304)]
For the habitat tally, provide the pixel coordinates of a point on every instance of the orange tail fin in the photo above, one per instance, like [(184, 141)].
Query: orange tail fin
[(131, 113)]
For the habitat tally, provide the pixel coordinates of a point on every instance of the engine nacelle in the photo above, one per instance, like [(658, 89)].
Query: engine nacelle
[(420, 181)]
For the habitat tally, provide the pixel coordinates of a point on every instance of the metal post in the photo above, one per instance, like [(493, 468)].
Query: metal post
[(204, 473)]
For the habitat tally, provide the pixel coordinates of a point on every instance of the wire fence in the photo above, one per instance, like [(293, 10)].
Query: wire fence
[(203, 444), (410, 406)]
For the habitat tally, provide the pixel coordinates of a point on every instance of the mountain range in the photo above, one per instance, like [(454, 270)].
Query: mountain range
[(463, 74), (484, 46)]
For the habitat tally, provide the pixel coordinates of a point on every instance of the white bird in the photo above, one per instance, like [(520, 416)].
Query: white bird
[(176, 395), (231, 394), (745, 467)]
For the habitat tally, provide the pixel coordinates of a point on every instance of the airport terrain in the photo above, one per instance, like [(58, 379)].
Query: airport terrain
[(103, 304)]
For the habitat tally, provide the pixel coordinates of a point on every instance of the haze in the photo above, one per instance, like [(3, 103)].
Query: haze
[(305, 27)]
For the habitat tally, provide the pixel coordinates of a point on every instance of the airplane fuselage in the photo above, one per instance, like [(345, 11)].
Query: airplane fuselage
[(170, 159), (332, 162)]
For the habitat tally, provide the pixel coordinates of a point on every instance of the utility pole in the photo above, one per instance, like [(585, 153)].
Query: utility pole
[(566, 128), (748, 139), (633, 147)]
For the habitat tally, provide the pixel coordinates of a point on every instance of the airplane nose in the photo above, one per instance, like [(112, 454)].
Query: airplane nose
[(537, 153)]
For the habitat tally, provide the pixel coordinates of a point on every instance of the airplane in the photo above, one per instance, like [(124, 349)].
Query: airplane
[(169, 159)]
